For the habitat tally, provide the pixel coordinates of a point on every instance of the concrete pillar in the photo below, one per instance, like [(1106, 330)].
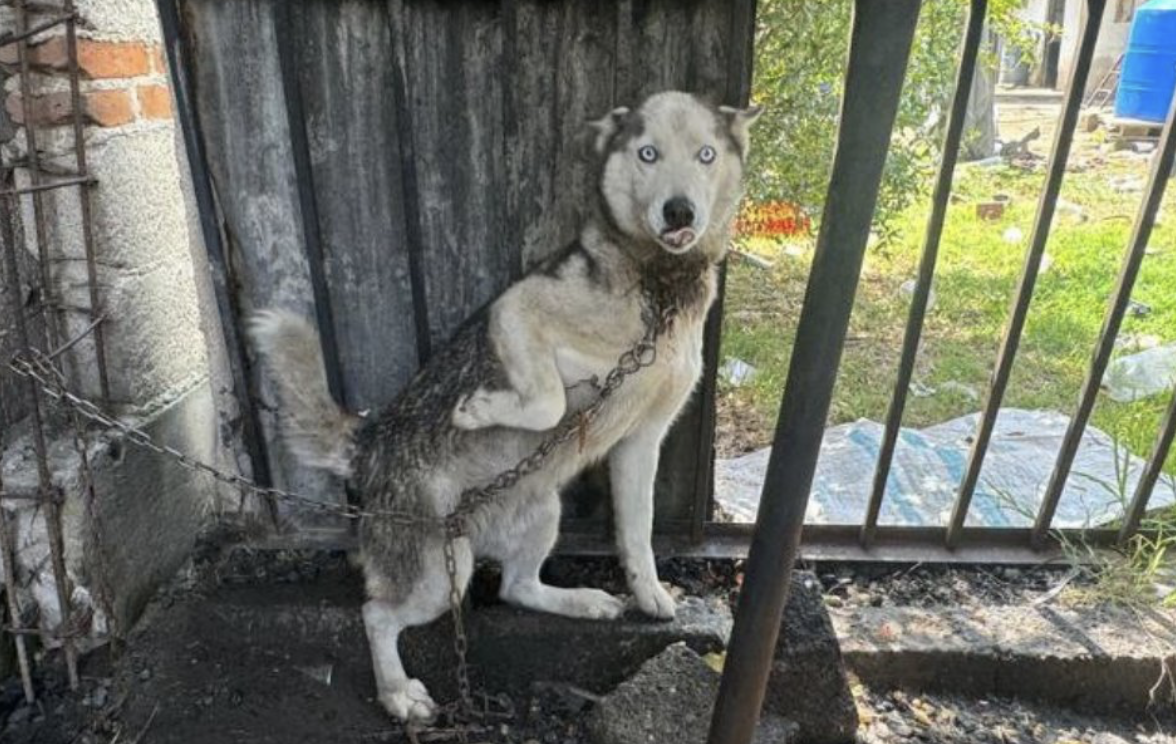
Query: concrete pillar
[(162, 339)]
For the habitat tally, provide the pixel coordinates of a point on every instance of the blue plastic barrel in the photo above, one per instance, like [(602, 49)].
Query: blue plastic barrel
[(1148, 76)]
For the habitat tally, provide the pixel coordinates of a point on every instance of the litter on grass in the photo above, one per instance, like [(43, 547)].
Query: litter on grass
[(1142, 375), (929, 465)]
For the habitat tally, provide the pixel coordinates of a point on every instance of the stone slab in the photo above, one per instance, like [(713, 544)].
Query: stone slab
[(669, 701), (509, 649), (808, 683), (1103, 659)]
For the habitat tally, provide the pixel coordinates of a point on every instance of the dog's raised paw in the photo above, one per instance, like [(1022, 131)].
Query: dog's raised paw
[(472, 411), (410, 703), (653, 600)]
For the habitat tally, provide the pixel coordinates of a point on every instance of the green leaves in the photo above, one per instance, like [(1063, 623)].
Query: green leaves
[(801, 50)]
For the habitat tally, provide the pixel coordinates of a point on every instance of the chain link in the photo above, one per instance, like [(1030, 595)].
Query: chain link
[(657, 320)]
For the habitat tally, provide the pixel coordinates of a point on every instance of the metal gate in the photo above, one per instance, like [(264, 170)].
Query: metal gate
[(389, 167)]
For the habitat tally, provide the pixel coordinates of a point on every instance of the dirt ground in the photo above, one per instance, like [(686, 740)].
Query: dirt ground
[(182, 678)]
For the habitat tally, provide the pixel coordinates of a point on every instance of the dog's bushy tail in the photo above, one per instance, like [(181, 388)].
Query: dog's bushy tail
[(315, 428)]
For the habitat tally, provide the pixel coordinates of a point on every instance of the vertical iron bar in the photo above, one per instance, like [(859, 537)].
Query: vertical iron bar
[(71, 46), (210, 230), (1145, 220), (1151, 472), (34, 159), (914, 328), (307, 201), (8, 558), (879, 48), (741, 35), (8, 555), (1024, 294), (47, 492), (702, 503)]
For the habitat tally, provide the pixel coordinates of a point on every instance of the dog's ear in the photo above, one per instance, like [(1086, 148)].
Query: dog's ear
[(739, 122), (605, 127)]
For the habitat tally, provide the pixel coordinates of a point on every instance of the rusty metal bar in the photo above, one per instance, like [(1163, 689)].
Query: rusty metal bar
[(1161, 169), (76, 339), (737, 93), (973, 36), (31, 31), (214, 245), (34, 159), (1151, 471), (71, 46), (38, 188), (49, 497), (1024, 294), (8, 558), (879, 47)]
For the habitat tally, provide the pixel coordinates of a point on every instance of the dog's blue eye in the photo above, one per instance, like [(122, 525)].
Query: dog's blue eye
[(707, 154), (648, 154)]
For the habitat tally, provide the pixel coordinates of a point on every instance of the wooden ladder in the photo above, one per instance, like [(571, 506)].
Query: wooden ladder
[(1104, 92)]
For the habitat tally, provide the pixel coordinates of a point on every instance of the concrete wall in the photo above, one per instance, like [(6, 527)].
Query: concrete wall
[(162, 338), (1112, 39)]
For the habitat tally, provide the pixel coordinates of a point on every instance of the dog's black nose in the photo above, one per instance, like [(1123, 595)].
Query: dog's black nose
[(679, 213)]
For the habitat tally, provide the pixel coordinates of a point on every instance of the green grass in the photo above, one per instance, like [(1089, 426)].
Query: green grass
[(976, 279)]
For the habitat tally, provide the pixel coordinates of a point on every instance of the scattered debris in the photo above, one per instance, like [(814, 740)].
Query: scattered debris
[(1141, 375), (991, 210), (920, 390), (908, 289), (752, 260), (1127, 184), (737, 372), (320, 673), (967, 391), (1013, 235), (898, 716), (1019, 148), (1076, 211), (1138, 309)]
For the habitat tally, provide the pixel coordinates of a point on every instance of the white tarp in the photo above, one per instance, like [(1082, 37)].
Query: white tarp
[(929, 464)]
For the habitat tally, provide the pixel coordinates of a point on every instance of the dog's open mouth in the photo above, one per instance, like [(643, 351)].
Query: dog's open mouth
[(679, 239)]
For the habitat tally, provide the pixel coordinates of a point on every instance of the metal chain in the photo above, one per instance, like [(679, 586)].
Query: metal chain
[(640, 355), (657, 320)]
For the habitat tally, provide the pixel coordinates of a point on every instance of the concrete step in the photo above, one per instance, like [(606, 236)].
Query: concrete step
[(509, 649), (1104, 659)]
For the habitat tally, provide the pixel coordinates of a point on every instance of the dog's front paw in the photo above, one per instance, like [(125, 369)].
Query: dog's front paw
[(473, 411), (595, 605), (653, 599), (410, 703)]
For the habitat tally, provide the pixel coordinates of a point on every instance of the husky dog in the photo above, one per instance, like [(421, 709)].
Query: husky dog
[(670, 182)]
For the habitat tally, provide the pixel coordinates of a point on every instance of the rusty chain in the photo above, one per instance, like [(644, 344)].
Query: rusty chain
[(657, 320)]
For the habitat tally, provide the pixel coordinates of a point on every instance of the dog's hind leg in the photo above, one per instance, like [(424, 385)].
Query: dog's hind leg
[(402, 696), (522, 546)]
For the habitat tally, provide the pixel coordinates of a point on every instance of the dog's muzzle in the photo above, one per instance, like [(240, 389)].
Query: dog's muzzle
[(679, 231)]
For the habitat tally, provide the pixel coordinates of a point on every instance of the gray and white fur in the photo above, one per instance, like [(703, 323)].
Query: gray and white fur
[(670, 182)]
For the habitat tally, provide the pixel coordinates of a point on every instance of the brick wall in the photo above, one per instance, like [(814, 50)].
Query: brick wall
[(121, 82)]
